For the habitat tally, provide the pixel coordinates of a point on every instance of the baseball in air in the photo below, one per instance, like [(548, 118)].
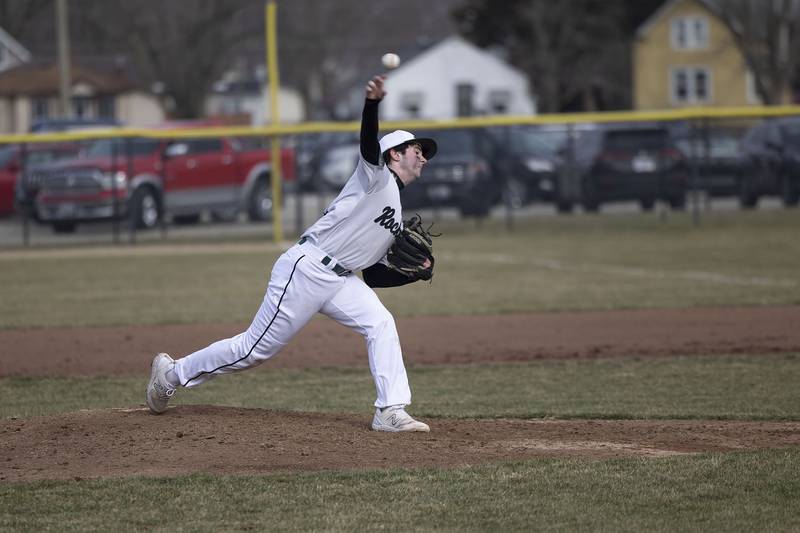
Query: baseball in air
[(390, 61)]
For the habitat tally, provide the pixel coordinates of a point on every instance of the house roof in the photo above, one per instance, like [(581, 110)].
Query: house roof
[(13, 45), (454, 46), (42, 78), (647, 25)]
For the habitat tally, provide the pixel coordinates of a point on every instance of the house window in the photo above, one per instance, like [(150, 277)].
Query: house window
[(106, 107), (412, 103), (39, 109), (202, 146), (691, 85), (232, 105), (701, 85), (465, 93), (81, 107), (751, 93), (680, 86), (499, 101), (689, 33)]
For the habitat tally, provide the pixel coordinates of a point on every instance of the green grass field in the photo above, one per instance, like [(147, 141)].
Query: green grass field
[(757, 491), (547, 264), (723, 387)]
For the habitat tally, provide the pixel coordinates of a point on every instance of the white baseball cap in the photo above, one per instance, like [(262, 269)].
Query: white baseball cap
[(398, 137)]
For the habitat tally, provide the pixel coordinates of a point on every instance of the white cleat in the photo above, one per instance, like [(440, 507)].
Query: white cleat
[(159, 390), (396, 419)]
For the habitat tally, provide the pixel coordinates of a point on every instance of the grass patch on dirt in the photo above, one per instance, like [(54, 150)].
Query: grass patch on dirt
[(724, 387), (546, 263), (753, 491)]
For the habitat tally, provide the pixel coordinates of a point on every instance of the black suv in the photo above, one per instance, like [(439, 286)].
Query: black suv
[(529, 157), (465, 173), (716, 159), (770, 155), (636, 161)]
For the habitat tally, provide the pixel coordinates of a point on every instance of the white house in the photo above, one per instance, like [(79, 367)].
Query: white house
[(11, 52), (250, 100), (454, 79)]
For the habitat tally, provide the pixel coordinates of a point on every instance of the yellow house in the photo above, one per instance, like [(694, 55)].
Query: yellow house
[(684, 55)]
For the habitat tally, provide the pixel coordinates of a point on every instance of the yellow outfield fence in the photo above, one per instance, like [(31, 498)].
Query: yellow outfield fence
[(698, 123), (687, 114)]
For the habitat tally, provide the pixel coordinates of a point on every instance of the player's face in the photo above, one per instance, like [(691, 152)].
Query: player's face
[(412, 160)]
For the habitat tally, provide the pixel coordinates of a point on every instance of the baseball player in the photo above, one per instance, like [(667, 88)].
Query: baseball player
[(316, 275)]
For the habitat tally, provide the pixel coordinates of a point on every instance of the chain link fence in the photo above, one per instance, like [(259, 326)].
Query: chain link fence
[(127, 186)]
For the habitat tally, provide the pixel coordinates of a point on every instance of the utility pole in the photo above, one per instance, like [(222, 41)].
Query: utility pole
[(64, 76)]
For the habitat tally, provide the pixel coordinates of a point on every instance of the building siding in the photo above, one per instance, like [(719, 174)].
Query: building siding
[(654, 59)]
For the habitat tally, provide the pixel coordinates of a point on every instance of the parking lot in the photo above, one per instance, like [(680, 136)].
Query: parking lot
[(297, 216)]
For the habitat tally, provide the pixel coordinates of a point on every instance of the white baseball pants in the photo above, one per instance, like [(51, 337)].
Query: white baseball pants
[(301, 286)]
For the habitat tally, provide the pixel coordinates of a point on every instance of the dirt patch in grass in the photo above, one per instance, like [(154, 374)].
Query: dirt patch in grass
[(426, 340), (225, 440)]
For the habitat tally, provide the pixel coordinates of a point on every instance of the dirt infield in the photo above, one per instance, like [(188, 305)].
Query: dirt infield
[(426, 340), (114, 442)]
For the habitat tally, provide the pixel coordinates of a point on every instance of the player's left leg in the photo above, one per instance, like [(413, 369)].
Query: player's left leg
[(357, 306)]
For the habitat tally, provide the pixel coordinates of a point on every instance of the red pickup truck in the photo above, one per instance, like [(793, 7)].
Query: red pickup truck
[(147, 178), (11, 194)]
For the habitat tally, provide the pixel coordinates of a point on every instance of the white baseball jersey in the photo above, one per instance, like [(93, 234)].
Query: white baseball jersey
[(355, 232), (361, 223)]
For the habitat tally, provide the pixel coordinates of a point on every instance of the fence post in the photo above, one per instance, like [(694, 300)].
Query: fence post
[(508, 193), (24, 200), (114, 197), (129, 174), (298, 190), (567, 184), (694, 172), (162, 204), (707, 159)]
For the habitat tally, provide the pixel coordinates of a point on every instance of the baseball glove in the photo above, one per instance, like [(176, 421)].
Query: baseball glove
[(411, 249)]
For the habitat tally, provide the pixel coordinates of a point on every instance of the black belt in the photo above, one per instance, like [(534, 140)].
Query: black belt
[(338, 269)]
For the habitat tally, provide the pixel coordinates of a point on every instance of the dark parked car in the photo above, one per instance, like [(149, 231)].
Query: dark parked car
[(528, 165), (466, 173), (621, 162), (336, 165), (325, 161), (770, 155), (714, 156)]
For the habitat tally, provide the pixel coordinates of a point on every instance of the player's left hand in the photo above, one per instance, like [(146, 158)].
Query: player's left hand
[(411, 254)]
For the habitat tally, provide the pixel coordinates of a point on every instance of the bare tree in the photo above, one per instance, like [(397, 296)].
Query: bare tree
[(21, 18), (183, 47), (327, 48), (571, 53), (576, 53), (768, 34), (179, 47)]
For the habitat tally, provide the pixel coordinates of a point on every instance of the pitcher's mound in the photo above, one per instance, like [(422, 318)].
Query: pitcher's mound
[(225, 440)]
